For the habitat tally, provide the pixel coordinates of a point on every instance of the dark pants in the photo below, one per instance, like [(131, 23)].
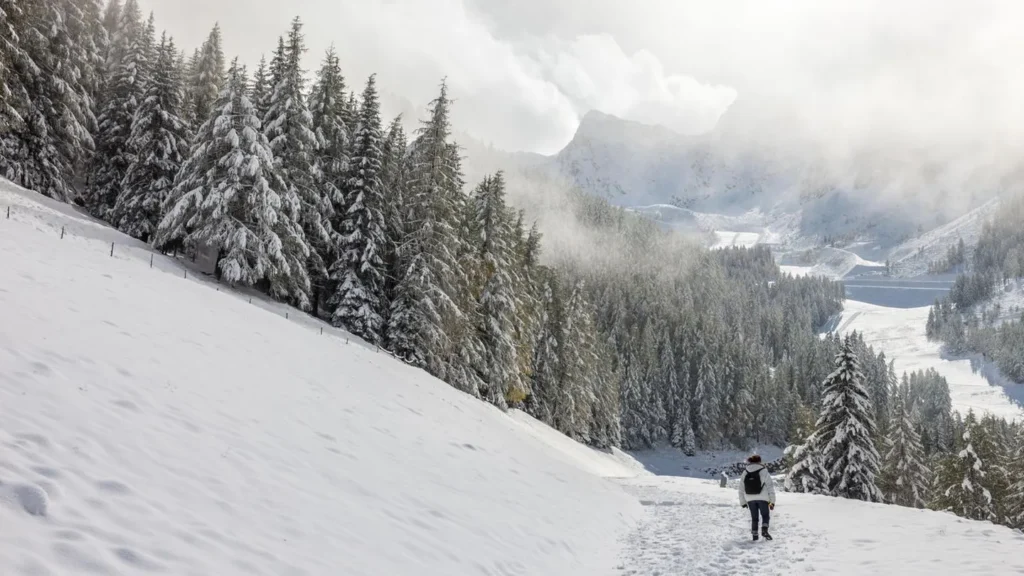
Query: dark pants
[(758, 507)]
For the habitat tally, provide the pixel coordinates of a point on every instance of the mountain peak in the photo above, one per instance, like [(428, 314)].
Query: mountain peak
[(597, 125)]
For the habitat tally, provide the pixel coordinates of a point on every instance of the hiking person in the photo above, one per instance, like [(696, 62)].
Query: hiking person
[(757, 493)]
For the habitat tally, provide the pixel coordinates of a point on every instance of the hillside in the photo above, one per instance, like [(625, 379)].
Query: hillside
[(155, 423), (912, 257)]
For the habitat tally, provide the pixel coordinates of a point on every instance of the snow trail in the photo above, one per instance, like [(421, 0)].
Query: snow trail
[(699, 528)]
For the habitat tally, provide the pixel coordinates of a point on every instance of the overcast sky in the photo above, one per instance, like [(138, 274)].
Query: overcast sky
[(852, 73)]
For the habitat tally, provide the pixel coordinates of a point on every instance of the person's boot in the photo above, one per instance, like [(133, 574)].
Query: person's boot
[(754, 533), (764, 532)]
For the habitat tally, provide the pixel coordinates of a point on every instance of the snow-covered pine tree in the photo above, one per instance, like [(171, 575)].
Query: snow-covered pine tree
[(497, 304), (845, 432), (50, 133), (124, 94), (227, 199), (1015, 496), (395, 177), (991, 445), (158, 144), (905, 479), (707, 414), (13, 97), (960, 482), (207, 78), (327, 105), (425, 311), (806, 473), (359, 273), (545, 367), (288, 126), (89, 44), (466, 351), (635, 430), (260, 89)]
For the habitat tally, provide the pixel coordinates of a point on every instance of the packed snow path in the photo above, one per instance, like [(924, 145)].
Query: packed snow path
[(694, 527), (688, 530)]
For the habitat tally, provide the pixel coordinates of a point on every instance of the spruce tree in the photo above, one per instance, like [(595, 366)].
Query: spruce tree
[(425, 312), (545, 366), (905, 478), (497, 305), (14, 98), (227, 199), (288, 126), (395, 178), (806, 473), (125, 94), (261, 90), (845, 432), (207, 78), (359, 272), (158, 144), (48, 133), (960, 481), (327, 106), (706, 398), (1015, 495)]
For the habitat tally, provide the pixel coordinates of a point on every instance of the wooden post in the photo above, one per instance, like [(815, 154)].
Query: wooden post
[(186, 273), (285, 315), (61, 232), (8, 212), (111, 249), (321, 330), (151, 260)]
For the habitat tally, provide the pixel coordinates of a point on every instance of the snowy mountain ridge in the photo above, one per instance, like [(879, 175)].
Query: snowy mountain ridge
[(717, 183)]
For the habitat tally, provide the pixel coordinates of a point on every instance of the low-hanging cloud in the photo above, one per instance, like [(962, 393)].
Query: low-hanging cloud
[(518, 94)]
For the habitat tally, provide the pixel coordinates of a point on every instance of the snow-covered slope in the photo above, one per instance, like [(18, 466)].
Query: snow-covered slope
[(913, 256), (901, 334), (151, 424)]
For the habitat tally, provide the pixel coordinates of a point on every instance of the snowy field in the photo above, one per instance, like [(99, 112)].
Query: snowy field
[(901, 334), (153, 424), (728, 239)]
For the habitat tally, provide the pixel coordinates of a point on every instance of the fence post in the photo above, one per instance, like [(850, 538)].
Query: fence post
[(151, 260), (61, 232), (8, 212), (111, 249), (186, 273), (250, 299), (285, 315)]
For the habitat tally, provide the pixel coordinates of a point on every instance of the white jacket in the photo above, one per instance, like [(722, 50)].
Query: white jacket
[(767, 486)]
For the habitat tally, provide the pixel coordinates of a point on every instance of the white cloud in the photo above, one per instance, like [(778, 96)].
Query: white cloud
[(596, 74), (525, 94)]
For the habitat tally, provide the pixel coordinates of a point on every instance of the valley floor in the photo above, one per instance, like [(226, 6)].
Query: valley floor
[(900, 332)]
